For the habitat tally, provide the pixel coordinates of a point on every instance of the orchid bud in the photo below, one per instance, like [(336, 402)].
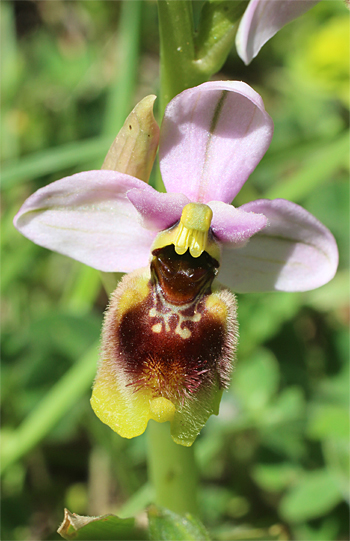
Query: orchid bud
[(134, 149)]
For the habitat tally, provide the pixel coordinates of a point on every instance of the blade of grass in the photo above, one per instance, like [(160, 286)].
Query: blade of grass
[(52, 160), (81, 290), (10, 68), (319, 167), (57, 403), (137, 502), (119, 101)]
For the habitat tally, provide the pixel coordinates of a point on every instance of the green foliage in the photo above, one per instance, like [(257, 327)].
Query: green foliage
[(315, 494), (168, 526), (106, 527), (163, 525), (275, 463)]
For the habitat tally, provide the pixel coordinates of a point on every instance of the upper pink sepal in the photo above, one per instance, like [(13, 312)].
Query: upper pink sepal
[(212, 138), (88, 217), (233, 225), (295, 252), (158, 210), (262, 19)]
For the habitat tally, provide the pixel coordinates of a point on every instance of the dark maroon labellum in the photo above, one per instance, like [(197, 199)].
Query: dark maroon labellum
[(170, 342)]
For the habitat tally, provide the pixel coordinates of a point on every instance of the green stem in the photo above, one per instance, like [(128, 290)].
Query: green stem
[(189, 58), (172, 471), (185, 61), (177, 54), (176, 49)]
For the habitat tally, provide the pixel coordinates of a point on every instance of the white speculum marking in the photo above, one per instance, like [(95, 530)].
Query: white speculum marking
[(181, 330)]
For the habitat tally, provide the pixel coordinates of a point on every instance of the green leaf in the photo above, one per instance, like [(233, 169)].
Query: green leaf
[(332, 295), (315, 494), (327, 530), (164, 525), (329, 421), (106, 527), (264, 315), (337, 453), (281, 427), (289, 406), (275, 477), (218, 501), (256, 380), (216, 33)]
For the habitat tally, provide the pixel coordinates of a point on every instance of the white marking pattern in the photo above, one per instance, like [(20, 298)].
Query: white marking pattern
[(169, 310)]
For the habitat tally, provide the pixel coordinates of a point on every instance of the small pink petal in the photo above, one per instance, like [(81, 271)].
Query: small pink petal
[(212, 138), (158, 210), (295, 252), (233, 225), (88, 217), (262, 19)]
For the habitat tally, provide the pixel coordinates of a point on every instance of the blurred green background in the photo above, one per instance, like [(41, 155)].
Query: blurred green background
[(274, 464)]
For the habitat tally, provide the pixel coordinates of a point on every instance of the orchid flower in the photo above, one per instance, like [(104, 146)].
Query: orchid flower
[(170, 331), (263, 19)]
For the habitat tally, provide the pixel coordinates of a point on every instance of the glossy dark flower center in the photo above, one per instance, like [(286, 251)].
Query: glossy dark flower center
[(182, 278)]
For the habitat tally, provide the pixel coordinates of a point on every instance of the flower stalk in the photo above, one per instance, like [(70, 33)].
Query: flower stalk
[(177, 49), (172, 471), (172, 468), (189, 56)]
